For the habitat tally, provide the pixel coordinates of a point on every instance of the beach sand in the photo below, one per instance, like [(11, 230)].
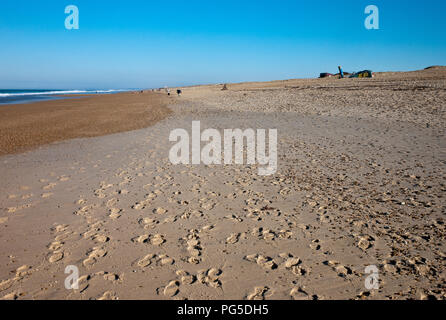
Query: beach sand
[(26, 126), (360, 182)]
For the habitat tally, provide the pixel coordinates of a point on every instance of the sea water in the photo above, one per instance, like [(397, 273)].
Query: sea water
[(13, 96)]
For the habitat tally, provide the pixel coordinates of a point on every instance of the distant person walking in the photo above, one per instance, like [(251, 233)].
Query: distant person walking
[(179, 92), (341, 72)]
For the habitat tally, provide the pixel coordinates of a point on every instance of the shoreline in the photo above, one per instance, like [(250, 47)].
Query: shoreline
[(25, 96)]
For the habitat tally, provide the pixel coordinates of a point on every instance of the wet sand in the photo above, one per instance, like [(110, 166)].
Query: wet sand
[(360, 182), (26, 126)]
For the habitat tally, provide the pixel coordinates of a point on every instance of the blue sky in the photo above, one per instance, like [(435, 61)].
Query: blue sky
[(144, 44)]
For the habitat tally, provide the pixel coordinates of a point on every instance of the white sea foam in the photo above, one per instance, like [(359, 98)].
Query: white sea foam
[(43, 93)]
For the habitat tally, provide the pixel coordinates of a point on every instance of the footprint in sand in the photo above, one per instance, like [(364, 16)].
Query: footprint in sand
[(159, 260), (159, 210), (125, 181), (191, 213), (193, 246), (84, 281), (299, 294), (108, 295), (233, 238), (50, 186), (146, 261), (105, 185), (100, 238), (231, 196), (263, 261), (148, 223), (253, 214), (155, 240), (365, 242), (93, 255), (18, 208), (115, 213), (315, 244), (269, 235), (109, 276), (341, 270), (208, 205), (172, 288), (292, 262), (260, 293), (6, 284), (141, 205), (100, 193), (111, 202), (56, 245), (207, 228), (186, 277), (210, 277), (170, 219), (61, 228), (285, 234), (56, 256), (85, 210), (10, 296), (90, 233), (234, 218), (289, 262), (141, 239), (21, 273), (62, 237)]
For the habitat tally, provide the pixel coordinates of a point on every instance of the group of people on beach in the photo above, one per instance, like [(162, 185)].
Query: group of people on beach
[(178, 92)]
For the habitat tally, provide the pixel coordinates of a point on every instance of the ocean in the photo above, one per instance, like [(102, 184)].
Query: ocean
[(14, 96)]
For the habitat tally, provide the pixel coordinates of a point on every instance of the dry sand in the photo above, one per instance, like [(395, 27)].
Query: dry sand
[(360, 181)]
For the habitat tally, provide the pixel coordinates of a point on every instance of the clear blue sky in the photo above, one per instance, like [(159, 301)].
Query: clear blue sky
[(132, 44)]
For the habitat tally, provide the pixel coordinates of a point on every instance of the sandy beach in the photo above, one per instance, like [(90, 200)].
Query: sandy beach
[(26, 126), (87, 182)]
